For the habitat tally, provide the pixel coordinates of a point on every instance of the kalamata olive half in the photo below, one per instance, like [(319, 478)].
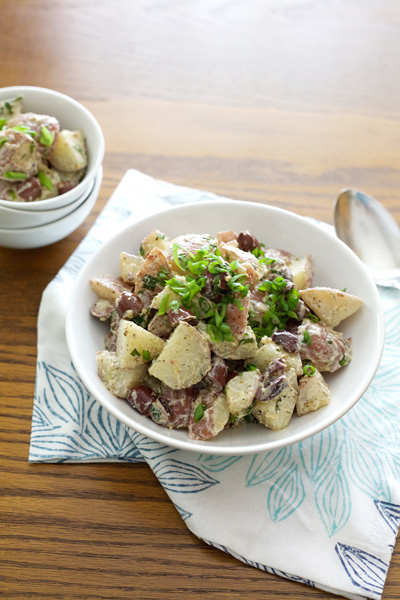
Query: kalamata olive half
[(287, 340), (128, 301), (247, 241)]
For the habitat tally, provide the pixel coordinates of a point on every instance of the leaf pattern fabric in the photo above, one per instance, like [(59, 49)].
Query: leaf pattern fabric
[(324, 512)]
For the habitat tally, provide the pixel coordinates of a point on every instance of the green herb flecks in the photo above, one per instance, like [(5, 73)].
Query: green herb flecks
[(307, 338), (282, 303), (146, 354), (2, 123), (46, 136), (163, 305), (199, 412), (9, 108), (15, 176), (343, 361), (196, 269), (135, 352), (25, 129), (149, 282), (12, 194), (45, 181), (309, 370)]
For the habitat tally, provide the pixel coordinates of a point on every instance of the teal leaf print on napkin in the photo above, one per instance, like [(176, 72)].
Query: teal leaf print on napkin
[(215, 463), (183, 478), (317, 453), (265, 466), (332, 497), (286, 494), (367, 469)]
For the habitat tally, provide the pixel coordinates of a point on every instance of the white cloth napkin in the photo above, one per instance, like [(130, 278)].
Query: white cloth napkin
[(324, 512)]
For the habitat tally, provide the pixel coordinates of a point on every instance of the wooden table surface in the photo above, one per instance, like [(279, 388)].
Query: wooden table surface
[(283, 102)]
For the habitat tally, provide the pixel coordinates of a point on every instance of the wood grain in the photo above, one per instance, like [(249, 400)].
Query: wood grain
[(276, 101)]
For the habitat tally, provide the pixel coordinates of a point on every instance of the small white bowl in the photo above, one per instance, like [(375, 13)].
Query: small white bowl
[(43, 235), (335, 265), (11, 218), (71, 115)]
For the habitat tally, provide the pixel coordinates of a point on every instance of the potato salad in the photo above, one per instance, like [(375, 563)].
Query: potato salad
[(37, 160), (208, 333)]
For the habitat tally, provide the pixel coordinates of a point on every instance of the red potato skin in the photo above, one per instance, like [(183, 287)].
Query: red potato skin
[(16, 154), (153, 264), (29, 190), (36, 123), (327, 347)]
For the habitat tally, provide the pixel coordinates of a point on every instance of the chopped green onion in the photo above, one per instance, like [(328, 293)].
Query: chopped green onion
[(25, 129), (163, 305), (343, 361), (146, 354), (199, 412), (14, 175), (313, 318), (12, 194), (45, 181), (251, 368), (309, 370), (307, 338), (174, 305), (9, 108), (46, 136), (3, 141), (141, 251), (2, 123), (135, 352)]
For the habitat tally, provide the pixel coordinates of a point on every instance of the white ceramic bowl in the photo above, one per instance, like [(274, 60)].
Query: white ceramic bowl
[(71, 115), (11, 218), (335, 265), (44, 235)]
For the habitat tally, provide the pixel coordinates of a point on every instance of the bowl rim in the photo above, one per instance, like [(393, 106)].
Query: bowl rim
[(54, 214), (89, 175), (94, 184), (207, 446)]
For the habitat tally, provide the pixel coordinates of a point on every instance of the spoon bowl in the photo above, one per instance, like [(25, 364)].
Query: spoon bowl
[(370, 231)]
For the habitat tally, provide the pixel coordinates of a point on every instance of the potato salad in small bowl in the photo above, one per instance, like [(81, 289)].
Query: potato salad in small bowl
[(229, 341)]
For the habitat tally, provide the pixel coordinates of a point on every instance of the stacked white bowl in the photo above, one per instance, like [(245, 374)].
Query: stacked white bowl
[(43, 222)]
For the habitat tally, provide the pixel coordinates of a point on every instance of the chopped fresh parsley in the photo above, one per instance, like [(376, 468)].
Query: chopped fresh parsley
[(149, 282)]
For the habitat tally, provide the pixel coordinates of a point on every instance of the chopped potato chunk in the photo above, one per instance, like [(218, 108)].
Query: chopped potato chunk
[(118, 381), (313, 393), (240, 391), (185, 358), (330, 305), (136, 345)]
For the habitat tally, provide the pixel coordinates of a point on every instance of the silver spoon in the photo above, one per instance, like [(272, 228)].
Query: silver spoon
[(370, 231)]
